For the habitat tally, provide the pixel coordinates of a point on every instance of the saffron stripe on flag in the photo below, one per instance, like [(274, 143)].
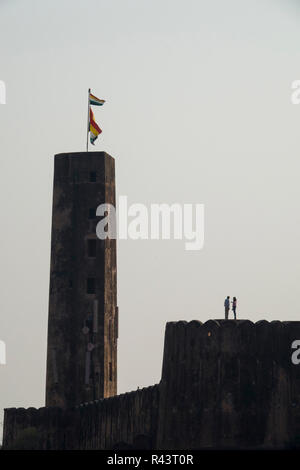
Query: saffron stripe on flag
[(96, 101)]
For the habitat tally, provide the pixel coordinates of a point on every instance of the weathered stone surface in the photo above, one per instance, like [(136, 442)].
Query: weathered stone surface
[(91, 426), (82, 181), (229, 384), (225, 384)]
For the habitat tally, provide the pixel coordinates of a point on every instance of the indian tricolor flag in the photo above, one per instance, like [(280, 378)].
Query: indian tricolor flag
[(96, 101), (94, 128)]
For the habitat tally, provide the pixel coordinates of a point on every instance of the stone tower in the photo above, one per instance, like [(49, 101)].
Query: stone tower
[(83, 313)]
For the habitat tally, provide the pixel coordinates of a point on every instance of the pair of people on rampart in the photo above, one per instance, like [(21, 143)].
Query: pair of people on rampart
[(227, 306)]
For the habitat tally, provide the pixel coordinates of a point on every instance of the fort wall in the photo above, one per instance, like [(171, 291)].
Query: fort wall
[(229, 384), (225, 384), (123, 421)]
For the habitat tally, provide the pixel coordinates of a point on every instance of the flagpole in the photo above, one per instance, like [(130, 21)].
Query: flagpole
[(88, 122)]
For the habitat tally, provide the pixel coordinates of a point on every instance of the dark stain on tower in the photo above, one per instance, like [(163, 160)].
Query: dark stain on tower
[(83, 312)]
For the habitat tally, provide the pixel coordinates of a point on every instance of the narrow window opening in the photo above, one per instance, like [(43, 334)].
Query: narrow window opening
[(92, 248), (93, 177), (91, 285)]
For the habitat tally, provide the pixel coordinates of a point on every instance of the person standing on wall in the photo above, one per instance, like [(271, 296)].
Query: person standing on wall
[(234, 307), (227, 306)]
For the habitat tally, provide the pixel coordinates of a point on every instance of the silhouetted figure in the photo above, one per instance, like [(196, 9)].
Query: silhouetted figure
[(234, 307), (227, 306)]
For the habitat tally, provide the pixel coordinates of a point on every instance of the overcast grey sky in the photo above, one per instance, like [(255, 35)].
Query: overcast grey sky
[(197, 110)]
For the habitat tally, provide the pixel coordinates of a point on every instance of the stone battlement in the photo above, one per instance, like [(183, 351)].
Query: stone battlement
[(123, 421), (225, 384), (228, 383)]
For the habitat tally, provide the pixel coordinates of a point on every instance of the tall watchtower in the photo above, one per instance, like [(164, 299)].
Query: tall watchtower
[(83, 312)]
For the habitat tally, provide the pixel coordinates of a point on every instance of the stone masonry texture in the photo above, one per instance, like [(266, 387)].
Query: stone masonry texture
[(225, 384), (83, 316)]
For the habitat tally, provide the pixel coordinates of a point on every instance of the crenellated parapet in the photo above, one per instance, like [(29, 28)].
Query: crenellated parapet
[(225, 384), (229, 384), (121, 421)]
